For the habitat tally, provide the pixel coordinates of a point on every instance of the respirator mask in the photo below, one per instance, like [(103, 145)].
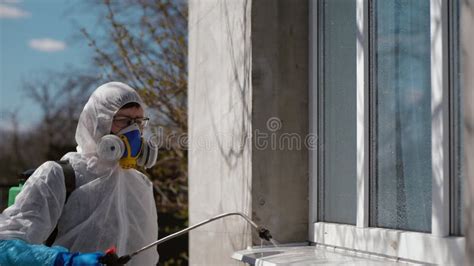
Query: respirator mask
[(129, 148)]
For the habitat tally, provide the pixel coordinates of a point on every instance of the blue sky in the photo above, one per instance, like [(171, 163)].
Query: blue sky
[(37, 36)]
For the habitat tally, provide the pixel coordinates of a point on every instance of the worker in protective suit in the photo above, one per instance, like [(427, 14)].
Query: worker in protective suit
[(112, 204)]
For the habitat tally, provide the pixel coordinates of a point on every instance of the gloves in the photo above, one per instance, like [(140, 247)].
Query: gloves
[(78, 259), (19, 253)]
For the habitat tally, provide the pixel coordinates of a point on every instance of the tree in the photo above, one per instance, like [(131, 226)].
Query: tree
[(61, 97)]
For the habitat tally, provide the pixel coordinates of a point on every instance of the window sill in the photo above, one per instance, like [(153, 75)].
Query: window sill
[(308, 255), (395, 244)]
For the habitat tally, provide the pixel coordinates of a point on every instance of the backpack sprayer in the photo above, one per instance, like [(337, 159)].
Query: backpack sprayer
[(112, 259), (15, 190)]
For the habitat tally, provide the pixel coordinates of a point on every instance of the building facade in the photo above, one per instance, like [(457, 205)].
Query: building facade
[(341, 123)]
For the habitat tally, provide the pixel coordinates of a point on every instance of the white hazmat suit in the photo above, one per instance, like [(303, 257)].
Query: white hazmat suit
[(110, 206)]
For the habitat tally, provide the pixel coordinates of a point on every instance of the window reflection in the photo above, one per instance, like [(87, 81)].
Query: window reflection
[(402, 115)]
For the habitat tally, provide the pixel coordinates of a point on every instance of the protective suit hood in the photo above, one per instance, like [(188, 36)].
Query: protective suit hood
[(96, 118)]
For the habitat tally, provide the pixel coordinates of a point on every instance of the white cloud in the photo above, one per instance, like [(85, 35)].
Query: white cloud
[(47, 45), (12, 12), (11, 1)]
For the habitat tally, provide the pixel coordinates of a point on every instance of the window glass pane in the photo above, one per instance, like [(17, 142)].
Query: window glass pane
[(402, 115), (337, 101)]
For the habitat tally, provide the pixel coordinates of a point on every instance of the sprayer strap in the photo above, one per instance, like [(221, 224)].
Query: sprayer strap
[(70, 184), (69, 178)]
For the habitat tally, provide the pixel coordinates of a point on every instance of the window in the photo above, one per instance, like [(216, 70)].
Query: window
[(401, 111), (386, 104), (337, 126)]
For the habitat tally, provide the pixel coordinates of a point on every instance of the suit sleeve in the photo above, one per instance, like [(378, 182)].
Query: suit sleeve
[(37, 207)]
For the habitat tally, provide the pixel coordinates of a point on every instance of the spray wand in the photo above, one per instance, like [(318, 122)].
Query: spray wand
[(112, 259)]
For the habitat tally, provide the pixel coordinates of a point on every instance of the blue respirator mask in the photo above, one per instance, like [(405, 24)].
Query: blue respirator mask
[(128, 148)]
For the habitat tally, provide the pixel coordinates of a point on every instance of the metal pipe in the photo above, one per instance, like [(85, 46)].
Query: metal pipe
[(113, 259), (195, 226)]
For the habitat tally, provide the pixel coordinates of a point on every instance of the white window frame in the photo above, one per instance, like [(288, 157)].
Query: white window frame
[(435, 247)]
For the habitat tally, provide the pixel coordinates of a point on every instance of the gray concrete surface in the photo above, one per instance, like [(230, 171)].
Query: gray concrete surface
[(247, 64), (219, 121), (280, 109)]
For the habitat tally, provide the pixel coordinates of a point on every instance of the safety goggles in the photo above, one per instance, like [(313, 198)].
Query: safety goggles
[(124, 121)]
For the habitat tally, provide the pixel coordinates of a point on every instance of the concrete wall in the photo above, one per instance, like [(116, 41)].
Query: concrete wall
[(247, 64), (219, 120), (467, 54), (280, 109)]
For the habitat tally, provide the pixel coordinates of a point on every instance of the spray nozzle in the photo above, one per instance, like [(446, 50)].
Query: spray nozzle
[(263, 233)]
